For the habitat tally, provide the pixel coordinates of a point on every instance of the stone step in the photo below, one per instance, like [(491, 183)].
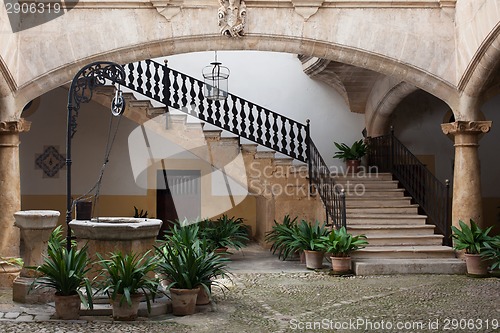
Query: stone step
[(403, 209), (195, 126), (392, 230), (411, 240), (404, 252), (365, 176), (385, 219), (155, 111), (283, 161), (368, 184), (230, 140), (265, 154), (366, 201), (212, 134), (408, 266), (249, 147), (360, 191)]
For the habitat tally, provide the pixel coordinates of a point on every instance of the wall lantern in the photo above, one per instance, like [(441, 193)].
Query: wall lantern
[(216, 81)]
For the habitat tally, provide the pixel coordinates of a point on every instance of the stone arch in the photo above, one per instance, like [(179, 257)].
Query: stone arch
[(481, 71), (384, 97), (331, 51)]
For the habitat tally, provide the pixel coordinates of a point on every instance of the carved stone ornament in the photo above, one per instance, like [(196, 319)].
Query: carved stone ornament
[(307, 8), (167, 8), (232, 17), (473, 127), (14, 126)]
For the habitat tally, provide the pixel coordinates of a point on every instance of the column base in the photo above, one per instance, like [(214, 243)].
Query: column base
[(21, 292)]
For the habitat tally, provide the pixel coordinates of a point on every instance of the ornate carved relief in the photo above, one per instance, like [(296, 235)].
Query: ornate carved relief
[(167, 8), (307, 8), (473, 127), (14, 126), (232, 17)]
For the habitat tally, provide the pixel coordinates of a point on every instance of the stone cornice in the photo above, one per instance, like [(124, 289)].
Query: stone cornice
[(14, 126), (303, 5), (472, 127)]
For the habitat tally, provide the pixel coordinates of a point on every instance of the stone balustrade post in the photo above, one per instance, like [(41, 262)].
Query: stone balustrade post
[(467, 197), (36, 227)]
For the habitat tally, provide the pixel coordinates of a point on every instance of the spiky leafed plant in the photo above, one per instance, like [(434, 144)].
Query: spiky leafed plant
[(226, 231), (491, 251), (128, 274), (340, 243), (65, 271), (471, 239), (140, 214), (188, 266), (354, 152), (308, 236), (282, 236)]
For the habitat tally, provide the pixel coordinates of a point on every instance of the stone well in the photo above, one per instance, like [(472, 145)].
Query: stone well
[(111, 234)]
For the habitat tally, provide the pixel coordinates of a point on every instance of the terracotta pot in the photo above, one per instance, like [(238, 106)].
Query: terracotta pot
[(314, 259), (352, 166), (67, 307), (341, 264), (184, 301), (203, 297), (125, 312), (222, 252), (475, 264)]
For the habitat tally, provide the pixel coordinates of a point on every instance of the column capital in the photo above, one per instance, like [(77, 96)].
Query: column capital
[(466, 127), (14, 126)]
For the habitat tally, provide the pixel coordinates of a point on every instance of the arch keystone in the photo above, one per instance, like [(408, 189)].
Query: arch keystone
[(307, 8)]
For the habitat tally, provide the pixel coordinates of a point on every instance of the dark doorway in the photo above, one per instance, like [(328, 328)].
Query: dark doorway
[(178, 196)]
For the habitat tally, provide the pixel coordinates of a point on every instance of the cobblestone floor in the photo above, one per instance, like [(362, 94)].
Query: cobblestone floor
[(298, 300)]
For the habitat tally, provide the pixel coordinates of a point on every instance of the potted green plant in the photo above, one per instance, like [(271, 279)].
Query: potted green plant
[(126, 278), (351, 155), (189, 268), (473, 240), (308, 238), (339, 243), (491, 252), (65, 271), (187, 234), (226, 232), (281, 238)]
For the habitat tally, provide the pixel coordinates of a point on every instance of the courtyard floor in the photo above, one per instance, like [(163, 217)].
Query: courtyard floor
[(268, 295)]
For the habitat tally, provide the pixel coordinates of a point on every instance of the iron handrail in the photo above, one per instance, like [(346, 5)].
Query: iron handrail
[(333, 196), (234, 114), (389, 154)]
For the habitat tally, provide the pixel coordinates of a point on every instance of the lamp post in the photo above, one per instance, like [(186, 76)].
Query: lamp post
[(81, 91)]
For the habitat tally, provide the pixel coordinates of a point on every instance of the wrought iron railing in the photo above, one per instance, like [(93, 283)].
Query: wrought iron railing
[(242, 118), (235, 114), (320, 178), (433, 196)]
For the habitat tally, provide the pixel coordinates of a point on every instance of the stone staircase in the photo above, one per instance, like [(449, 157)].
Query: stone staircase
[(400, 241)]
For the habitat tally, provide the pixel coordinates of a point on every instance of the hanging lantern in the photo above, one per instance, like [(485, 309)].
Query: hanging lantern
[(216, 80)]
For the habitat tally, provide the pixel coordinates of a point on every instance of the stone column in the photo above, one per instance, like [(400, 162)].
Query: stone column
[(10, 191), (467, 198)]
